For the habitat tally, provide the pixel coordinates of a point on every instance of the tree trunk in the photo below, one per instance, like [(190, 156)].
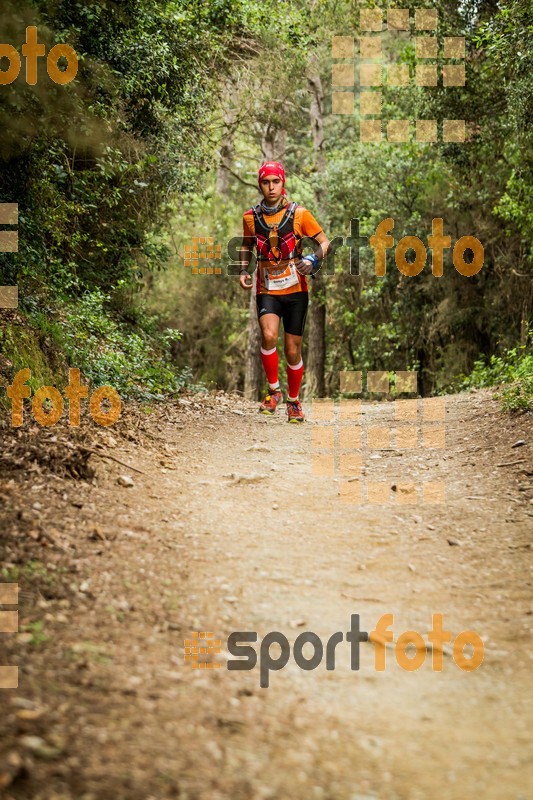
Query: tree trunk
[(273, 143), (253, 377), (227, 147), (524, 324), (316, 353), (226, 158)]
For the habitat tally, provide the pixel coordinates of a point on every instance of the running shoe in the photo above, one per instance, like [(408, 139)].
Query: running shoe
[(294, 411), (271, 402)]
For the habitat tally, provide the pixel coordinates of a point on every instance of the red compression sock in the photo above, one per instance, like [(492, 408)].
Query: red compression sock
[(270, 363), (294, 379)]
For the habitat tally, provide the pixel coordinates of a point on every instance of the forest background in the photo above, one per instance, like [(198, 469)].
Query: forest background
[(158, 140)]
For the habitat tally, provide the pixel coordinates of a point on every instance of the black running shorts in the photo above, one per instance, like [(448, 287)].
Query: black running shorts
[(292, 308)]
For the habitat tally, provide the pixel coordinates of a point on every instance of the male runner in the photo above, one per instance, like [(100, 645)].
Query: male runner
[(276, 228)]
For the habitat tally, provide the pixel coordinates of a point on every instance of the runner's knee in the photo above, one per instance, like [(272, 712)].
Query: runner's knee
[(269, 339), (293, 353)]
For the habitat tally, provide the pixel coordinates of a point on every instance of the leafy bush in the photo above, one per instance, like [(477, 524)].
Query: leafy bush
[(135, 359), (518, 396), (513, 369)]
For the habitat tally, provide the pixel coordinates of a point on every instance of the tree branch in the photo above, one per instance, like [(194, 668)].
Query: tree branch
[(241, 180)]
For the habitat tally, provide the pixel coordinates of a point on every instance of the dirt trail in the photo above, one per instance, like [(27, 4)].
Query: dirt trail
[(228, 529)]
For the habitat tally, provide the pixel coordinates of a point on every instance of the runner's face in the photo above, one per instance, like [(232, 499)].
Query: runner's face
[(272, 187)]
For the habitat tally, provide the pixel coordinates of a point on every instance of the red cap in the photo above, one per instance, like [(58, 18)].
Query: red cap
[(271, 168)]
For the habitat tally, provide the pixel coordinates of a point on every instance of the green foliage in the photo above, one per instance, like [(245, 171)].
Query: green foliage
[(36, 629), (513, 365), (25, 346), (116, 172), (211, 310), (519, 396), (512, 372), (96, 166), (137, 363)]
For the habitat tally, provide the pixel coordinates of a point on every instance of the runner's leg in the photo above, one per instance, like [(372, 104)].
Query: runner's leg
[(269, 323), (295, 364), (294, 323)]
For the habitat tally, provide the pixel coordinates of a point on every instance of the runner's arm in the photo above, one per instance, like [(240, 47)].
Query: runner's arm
[(323, 241), (245, 256), (308, 265)]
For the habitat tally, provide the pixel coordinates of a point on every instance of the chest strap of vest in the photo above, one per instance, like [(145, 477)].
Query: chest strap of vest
[(273, 232)]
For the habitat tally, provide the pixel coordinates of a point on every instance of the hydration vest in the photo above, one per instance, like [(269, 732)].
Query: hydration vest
[(277, 242)]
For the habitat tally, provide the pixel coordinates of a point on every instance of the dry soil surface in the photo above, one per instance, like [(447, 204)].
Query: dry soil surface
[(227, 527)]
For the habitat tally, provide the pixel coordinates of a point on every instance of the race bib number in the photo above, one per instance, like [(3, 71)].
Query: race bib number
[(278, 279)]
